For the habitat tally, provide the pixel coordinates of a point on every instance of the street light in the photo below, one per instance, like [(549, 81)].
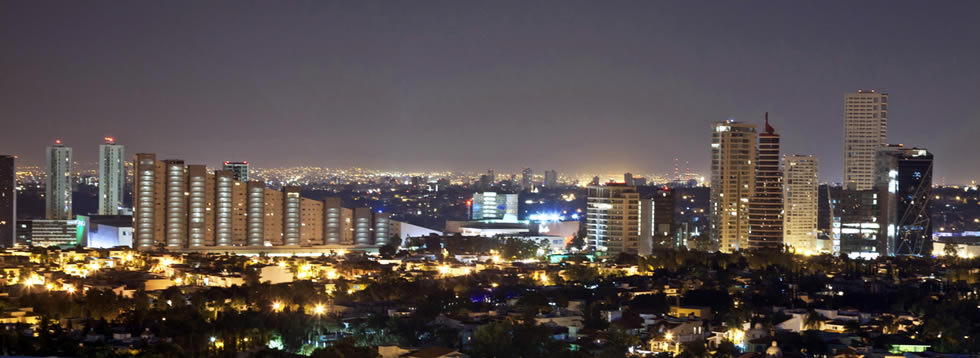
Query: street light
[(276, 306)]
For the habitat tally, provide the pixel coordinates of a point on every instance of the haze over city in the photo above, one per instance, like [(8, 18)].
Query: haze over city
[(576, 86)]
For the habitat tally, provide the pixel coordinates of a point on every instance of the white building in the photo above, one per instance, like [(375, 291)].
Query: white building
[(112, 177), (613, 218), (57, 192), (865, 130), (800, 203), (733, 155)]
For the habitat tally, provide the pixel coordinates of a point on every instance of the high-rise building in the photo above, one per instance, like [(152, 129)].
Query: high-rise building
[(337, 223), (239, 170), (491, 177), (733, 155), (176, 212), (903, 181), (527, 177), (112, 177), (184, 207), (628, 178), (494, 206), (8, 201), (201, 206), (550, 179), (766, 203), (613, 218), (657, 222), (865, 131), (858, 211), (800, 203), (149, 201), (57, 192)]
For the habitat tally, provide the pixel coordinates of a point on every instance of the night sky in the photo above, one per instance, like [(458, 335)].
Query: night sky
[(598, 86)]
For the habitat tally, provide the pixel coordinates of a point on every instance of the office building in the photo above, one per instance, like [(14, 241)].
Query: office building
[(628, 178), (766, 203), (733, 154), (57, 192), (800, 203), (8, 201), (112, 177), (551, 179), (903, 181), (865, 131), (858, 211), (239, 170), (527, 179), (613, 218), (494, 206)]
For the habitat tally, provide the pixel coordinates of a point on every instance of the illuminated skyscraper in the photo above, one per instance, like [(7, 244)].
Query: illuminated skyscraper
[(733, 154), (800, 203), (766, 204), (112, 177), (57, 192), (613, 218), (239, 170), (149, 201), (865, 131), (8, 201)]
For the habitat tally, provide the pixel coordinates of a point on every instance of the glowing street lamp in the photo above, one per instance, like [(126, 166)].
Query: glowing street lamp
[(319, 309), (276, 306)]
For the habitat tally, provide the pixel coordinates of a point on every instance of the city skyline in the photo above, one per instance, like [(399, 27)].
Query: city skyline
[(404, 88)]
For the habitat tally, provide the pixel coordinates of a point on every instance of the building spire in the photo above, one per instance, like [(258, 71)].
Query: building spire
[(769, 129)]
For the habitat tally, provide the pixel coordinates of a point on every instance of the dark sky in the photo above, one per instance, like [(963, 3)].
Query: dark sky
[(578, 86)]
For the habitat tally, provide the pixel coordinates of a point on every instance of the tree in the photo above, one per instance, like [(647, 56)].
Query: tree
[(345, 348)]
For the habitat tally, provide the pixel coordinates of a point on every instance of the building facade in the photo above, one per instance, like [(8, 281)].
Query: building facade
[(766, 204), (613, 218), (865, 131), (527, 179), (800, 199), (57, 191), (8, 200), (187, 208), (112, 177), (494, 206), (903, 181), (733, 154)]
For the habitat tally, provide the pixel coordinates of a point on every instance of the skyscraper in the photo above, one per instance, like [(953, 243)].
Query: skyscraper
[(148, 201), (112, 177), (628, 178), (800, 203), (903, 181), (550, 179), (57, 192), (613, 218), (8, 201), (239, 170), (766, 204), (527, 177), (865, 131), (733, 155)]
